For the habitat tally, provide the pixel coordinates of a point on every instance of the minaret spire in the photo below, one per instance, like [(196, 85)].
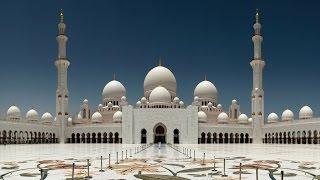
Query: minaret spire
[(257, 95), (62, 64)]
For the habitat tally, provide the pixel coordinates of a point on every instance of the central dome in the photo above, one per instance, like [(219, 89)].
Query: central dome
[(160, 76), (160, 95)]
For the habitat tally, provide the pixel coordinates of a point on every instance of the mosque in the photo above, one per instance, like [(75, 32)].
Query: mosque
[(159, 115)]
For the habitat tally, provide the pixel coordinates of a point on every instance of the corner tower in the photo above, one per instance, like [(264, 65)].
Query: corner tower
[(257, 64), (62, 93)]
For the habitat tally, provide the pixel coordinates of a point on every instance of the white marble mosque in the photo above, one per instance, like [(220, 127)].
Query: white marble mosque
[(159, 115)]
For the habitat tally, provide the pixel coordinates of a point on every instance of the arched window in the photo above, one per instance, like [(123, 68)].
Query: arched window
[(298, 137), (105, 138), (110, 137), (73, 138), (293, 137), (246, 140), (203, 138), (116, 137), (220, 138), (231, 138), (143, 136), (94, 140), (214, 137), (209, 138), (315, 137), (88, 138), (309, 137), (99, 137), (241, 138), (176, 136), (226, 138), (237, 138), (83, 138), (78, 138)]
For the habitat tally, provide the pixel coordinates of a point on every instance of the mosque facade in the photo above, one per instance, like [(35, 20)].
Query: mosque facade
[(159, 115)]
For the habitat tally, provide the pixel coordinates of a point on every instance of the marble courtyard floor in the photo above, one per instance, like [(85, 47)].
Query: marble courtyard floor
[(297, 161)]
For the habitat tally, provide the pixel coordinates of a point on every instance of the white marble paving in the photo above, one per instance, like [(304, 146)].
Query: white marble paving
[(28, 156)]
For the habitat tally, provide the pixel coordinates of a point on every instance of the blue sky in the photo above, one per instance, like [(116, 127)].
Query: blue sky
[(195, 38)]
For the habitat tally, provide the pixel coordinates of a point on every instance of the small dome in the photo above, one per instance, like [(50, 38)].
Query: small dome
[(32, 115), (223, 118), (69, 119), (243, 119), (181, 103), (305, 113), (160, 76), (13, 113), (210, 104), (219, 106), (109, 104), (160, 95), (234, 101), (113, 90), (287, 115), (143, 100), (117, 116), (85, 101), (47, 117), (196, 98), (100, 106), (79, 115), (138, 104), (206, 89), (250, 120), (176, 100), (202, 117), (96, 117), (273, 118), (124, 99)]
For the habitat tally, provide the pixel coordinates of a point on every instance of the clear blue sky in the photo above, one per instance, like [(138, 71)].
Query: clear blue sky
[(193, 37)]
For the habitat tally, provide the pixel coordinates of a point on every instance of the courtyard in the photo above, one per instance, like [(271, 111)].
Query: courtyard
[(135, 161)]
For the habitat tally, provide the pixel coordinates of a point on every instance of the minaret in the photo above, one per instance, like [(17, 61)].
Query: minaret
[(257, 65), (62, 93)]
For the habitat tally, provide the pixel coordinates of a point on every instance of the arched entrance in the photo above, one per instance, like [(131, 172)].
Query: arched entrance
[(159, 131)]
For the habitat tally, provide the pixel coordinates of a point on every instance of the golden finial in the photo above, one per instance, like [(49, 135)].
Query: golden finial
[(205, 77), (114, 76), (61, 15), (160, 61), (257, 15)]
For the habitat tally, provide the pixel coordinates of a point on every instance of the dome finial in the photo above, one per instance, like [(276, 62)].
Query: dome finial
[(205, 77), (257, 15), (61, 16), (114, 76), (160, 61)]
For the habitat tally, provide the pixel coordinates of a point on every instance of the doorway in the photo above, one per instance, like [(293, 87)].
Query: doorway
[(159, 133)]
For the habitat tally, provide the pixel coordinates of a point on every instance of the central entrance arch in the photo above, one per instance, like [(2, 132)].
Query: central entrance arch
[(160, 132)]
